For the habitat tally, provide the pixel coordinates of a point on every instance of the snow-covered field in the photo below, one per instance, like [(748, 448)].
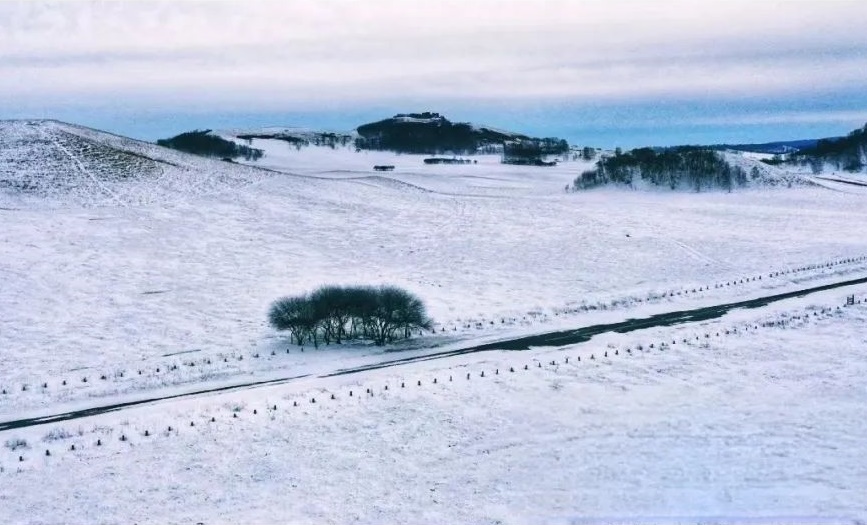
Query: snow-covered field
[(177, 274), (765, 425)]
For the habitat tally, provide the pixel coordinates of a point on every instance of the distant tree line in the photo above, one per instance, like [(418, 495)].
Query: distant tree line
[(323, 139), (682, 167), (532, 149), (847, 153), (335, 314), (527, 161), (202, 142), (776, 160)]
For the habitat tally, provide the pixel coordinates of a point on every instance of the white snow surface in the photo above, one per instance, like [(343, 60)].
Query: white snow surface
[(760, 426), (46, 163), (152, 274)]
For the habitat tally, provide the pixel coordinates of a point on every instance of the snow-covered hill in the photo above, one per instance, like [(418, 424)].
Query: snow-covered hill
[(762, 174), (106, 304), (480, 243), (47, 162), (789, 175)]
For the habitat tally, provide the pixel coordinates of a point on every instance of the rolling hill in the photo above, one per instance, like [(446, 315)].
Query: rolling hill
[(60, 163), (109, 305)]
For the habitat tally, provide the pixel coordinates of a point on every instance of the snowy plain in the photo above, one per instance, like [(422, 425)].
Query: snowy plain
[(98, 286), (760, 426)]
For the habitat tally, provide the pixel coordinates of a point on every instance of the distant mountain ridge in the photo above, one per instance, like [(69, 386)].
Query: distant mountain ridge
[(772, 148)]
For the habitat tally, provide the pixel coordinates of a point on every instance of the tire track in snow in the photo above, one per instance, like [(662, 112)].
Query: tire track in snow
[(80, 166), (696, 254), (839, 185)]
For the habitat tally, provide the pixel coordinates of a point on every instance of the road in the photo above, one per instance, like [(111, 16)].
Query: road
[(550, 339)]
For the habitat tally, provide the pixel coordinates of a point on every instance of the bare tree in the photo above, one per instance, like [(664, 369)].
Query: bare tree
[(337, 313)]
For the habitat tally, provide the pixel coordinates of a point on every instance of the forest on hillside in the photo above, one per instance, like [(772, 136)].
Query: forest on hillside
[(427, 132), (432, 133), (847, 153), (691, 168), (202, 142)]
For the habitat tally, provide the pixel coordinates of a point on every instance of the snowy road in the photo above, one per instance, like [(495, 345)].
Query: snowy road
[(559, 338)]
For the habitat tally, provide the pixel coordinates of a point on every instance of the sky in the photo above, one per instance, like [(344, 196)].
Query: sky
[(607, 73)]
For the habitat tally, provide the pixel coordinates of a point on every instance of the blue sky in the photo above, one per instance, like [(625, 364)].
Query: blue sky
[(608, 73)]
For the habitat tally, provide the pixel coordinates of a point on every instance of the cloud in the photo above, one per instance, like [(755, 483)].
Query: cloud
[(278, 54)]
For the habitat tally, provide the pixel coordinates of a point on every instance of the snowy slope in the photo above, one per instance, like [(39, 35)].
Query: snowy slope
[(96, 286), (54, 163), (791, 174), (490, 248), (761, 174)]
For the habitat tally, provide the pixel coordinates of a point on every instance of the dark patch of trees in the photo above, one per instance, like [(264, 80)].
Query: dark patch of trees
[(531, 151), (520, 161), (319, 138), (776, 160), (847, 153), (381, 314), (444, 160), (683, 167), (431, 133), (201, 142), (422, 133)]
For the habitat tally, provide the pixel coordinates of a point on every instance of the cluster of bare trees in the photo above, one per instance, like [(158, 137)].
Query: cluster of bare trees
[(530, 148), (682, 167), (335, 314), (848, 153)]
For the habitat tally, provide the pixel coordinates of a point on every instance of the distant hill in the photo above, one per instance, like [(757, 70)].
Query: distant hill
[(428, 133), (432, 133), (690, 168), (772, 148), (423, 133), (673, 168), (55, 163)]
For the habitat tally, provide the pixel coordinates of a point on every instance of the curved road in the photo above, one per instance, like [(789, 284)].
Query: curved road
[(560, 338)]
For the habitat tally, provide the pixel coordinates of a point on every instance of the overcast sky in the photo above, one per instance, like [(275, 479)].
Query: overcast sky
[(614, 72)]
